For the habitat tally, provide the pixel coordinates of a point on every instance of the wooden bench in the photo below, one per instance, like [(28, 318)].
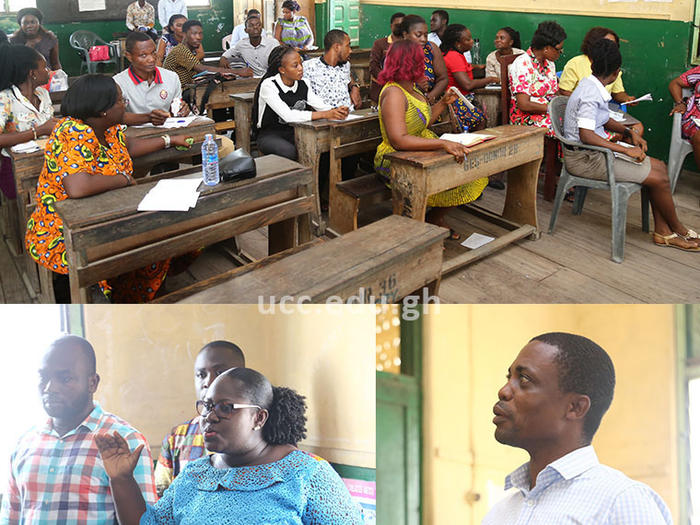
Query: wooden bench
[(106, 236), (382, 262)]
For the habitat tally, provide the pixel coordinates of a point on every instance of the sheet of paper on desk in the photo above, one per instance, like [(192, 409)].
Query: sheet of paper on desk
[(468, 139), (26, 147), (476, 240), (351, 116), (178, 122), (171, 195)]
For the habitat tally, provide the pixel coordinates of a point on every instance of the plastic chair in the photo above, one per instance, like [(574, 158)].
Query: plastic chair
[(226, 42), (82, 41), (620, 192), (679, 148)]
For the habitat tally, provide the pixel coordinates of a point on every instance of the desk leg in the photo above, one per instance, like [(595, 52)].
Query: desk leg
[(521, 194), (281, 236), (308, 155), (241, 115), (409, 192)]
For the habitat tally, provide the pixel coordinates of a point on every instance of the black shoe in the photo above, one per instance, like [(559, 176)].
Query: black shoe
[(497, 184)]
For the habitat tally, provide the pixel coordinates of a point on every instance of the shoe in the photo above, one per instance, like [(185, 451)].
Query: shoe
[(497, 184), (676, 241), (691, 234), (454, 235)]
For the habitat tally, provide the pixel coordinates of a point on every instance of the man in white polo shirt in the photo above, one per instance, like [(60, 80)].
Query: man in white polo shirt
[(251, 52), (148, 89)]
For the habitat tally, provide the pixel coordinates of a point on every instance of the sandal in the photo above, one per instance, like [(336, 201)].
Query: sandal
[(691, 234), (675, 241), (454, 235)]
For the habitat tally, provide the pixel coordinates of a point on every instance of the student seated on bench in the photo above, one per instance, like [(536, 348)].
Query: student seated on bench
[(404, 117), (588, 120), (283, 97), (251, 52), (88, 153), (172, 36)]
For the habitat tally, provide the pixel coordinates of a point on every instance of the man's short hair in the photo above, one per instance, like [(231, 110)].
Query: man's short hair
[(334, 36), (252, 12), (190, 24), (232, 347), (442, 14), (85, 347), (395, 16), (583, 368), (134, 38)]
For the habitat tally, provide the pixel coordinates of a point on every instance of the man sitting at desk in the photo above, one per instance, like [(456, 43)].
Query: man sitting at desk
[(148, 89), (141, 16), (250, 53), (183, 58), (329, 75)]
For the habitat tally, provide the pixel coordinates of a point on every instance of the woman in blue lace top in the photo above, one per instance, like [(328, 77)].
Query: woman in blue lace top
[(256, 474)]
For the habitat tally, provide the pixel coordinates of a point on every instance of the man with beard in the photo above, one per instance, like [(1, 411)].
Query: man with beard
[(185, 442), (557, 390), (378, 54), (56, 474)]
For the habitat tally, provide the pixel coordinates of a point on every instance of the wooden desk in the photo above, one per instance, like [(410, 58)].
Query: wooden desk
[(380, 263), (242, 114), (106, 236), (518, 149)]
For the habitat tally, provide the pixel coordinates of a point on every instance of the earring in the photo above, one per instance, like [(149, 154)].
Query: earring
[(256, 428)]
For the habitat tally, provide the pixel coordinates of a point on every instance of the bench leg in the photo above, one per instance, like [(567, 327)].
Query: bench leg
[(343, 215), (281, 236), (46, 293)]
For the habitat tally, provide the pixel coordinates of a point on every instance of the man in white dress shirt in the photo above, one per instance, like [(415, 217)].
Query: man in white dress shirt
[(239, 32), (168, 8), (557, 390)]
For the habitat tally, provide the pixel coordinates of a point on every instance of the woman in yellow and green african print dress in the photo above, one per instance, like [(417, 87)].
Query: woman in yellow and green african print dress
[(88, 153), (404, 117)]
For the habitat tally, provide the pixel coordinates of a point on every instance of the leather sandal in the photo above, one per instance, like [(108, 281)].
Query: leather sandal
[(691, 234), (676, 241)]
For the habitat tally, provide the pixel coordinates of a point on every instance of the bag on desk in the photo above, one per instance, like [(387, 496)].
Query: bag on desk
[(235, 166)]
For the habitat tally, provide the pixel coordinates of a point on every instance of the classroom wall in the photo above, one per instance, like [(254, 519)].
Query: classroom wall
[(467, 350), (654, 51), (145, 356), (217, 22)]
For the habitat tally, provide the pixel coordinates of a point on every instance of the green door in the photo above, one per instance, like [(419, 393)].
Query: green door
[(399, 435), (345, 15)]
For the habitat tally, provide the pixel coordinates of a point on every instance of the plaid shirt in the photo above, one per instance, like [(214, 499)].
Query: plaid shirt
[(576, 488), (182, 60), (184, 444), (61, 480)]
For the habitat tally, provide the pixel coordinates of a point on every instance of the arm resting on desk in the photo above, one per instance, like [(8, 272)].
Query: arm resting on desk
[(82, 184)]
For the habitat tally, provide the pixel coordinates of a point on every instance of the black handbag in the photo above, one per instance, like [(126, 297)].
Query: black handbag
[(238, 165)]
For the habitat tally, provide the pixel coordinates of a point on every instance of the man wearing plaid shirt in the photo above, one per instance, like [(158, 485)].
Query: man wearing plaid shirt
[(558, 389), (56, 474)]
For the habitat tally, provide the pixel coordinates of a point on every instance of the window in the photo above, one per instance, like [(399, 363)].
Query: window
[(12, 6), (197, 3)]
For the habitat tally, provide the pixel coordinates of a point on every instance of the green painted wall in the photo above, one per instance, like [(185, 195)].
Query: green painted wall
[(653, 51), (322, 23), (216, 22)]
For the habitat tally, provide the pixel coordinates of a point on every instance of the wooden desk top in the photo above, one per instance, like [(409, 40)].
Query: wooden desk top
[(245, 97), (366, 114), (505, 135)]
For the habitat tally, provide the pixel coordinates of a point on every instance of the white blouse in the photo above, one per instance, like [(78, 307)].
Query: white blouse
[(269, 96), (18, 114)]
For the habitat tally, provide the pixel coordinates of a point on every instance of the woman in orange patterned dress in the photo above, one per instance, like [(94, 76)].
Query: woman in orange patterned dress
[(88, 153)]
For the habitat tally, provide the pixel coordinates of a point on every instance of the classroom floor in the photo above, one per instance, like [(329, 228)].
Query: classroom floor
[(571, 266)]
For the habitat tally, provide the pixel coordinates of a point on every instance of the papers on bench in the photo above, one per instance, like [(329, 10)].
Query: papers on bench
[(476, 240), (640, 99), (171, 195), (468, 139)]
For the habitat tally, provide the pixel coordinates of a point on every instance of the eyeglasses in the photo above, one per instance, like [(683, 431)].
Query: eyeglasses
[(222, 409), (558, 48)]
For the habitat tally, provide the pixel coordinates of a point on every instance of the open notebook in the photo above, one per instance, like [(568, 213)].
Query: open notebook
[(468, 139)]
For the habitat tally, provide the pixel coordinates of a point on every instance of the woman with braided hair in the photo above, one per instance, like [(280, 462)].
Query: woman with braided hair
[(587, 120), (282, 97), (256, 473)]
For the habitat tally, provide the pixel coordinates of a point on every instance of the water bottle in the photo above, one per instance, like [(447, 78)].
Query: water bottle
[(210, 161), (476, 57)]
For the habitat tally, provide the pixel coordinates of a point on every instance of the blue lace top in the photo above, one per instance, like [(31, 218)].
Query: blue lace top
[(299, 489)]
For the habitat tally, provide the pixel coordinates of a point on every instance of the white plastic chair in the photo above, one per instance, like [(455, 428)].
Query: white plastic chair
[(679, 148), (226, 42)]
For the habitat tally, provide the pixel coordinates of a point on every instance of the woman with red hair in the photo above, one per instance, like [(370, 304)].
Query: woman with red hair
[(404, 117)]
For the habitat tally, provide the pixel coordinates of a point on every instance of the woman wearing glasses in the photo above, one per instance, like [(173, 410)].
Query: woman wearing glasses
[(256, 473)]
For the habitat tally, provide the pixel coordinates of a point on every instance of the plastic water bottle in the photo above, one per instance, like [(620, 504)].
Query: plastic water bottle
[(210, 161), (476, 57)]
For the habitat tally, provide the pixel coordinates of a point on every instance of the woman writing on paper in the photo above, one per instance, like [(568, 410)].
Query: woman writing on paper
[(588, 119)]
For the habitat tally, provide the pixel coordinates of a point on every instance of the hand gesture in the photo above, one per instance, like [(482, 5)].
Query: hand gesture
[(639, 141), (118, 461), (678, 107), (630, 97), (457, 150), (157, 117), (47, 127)]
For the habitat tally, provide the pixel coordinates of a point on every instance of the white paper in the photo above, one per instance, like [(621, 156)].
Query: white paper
[(26, 147), (476, 240), (171, 195), (178, 122), (626, 157), (467, 139), (91, 5), (640, 99), (494, 87), (617, 116), (351, 116)]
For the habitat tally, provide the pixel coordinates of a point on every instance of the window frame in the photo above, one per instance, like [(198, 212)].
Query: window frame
[(5, 7)]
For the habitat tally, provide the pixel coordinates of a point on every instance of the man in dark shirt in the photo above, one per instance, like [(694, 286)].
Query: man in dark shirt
[(378, 54)]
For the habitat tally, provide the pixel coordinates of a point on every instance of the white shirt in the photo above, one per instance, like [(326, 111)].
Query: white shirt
[(329, 82), (16, 110), (435, 39), (144, 97), (255, 57), (269, 96), (239, 34), (168, 8), (577, 489)]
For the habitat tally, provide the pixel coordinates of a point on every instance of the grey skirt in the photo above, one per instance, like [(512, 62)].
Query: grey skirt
[(591, 165)]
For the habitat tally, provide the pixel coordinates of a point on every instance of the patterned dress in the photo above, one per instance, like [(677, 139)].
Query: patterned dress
[(527, 75), (184, 444), (689, 127), (428, 62), (468, 119), (296, 32), (417, 118), (73, 148)]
